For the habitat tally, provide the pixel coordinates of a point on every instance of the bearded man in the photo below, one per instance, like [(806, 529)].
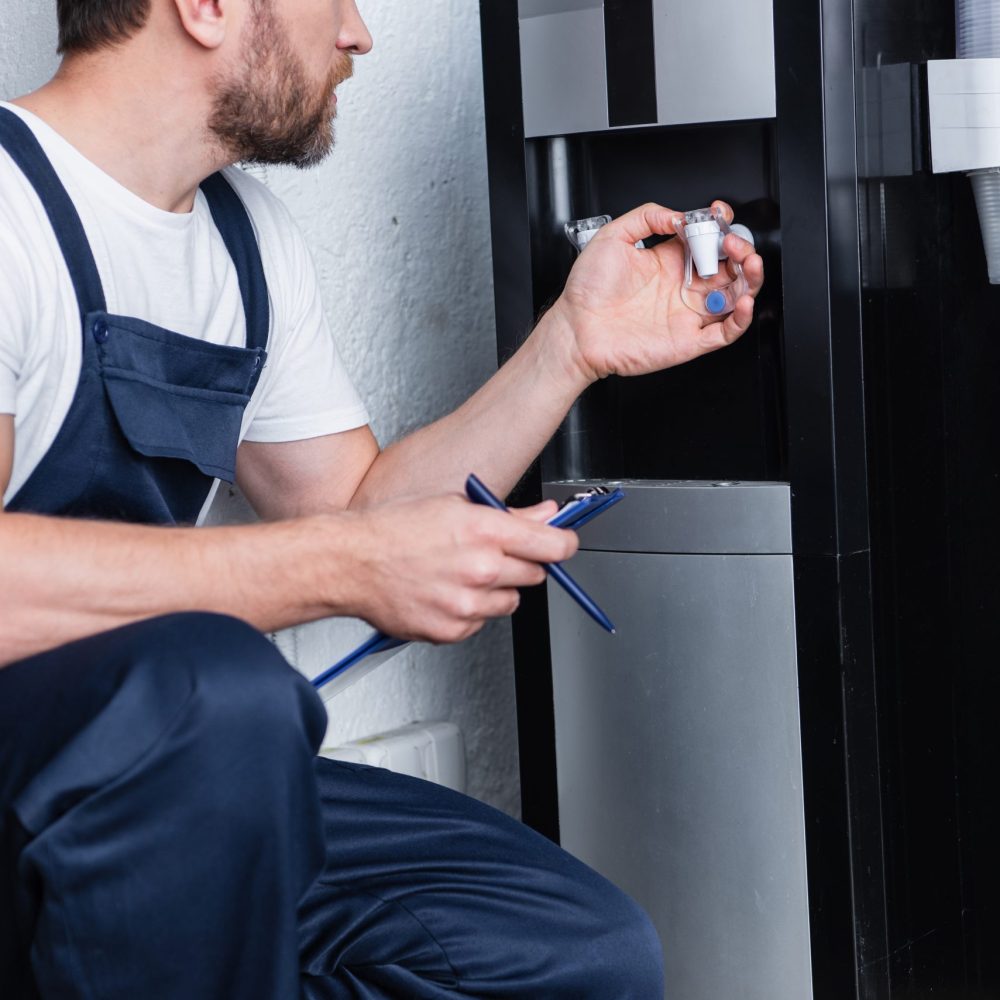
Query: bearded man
[(165, 828)]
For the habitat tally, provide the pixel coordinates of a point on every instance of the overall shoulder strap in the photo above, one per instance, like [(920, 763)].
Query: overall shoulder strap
[(234, 225), (20, 142)]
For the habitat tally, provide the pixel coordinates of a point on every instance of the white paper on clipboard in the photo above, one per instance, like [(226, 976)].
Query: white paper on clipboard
[(352, 675)]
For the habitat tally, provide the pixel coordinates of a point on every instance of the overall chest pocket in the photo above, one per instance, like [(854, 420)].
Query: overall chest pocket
[(173, 396)]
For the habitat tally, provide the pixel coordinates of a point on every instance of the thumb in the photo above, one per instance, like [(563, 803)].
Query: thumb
[(540, 512), (643, 222)]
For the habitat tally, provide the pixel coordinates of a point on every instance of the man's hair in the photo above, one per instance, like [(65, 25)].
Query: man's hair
[(85, 25)]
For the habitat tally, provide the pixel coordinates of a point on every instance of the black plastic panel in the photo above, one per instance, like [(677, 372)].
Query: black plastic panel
[(932, 365), (628, 35)]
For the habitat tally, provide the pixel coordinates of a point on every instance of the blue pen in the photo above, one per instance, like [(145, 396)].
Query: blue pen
[(573, 514), (478, 493)]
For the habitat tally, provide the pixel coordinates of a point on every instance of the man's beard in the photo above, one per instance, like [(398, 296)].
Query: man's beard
[(271, 113)]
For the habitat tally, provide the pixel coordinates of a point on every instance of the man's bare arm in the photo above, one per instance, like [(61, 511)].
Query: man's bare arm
[(431, 569), (316, 475), (347, 470), (497, 433), (621, 313)]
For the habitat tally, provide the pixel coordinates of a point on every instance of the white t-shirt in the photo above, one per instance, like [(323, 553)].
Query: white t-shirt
[(166, 268)]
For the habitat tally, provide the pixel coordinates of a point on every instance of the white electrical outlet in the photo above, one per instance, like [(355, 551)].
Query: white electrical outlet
[(434, 751)]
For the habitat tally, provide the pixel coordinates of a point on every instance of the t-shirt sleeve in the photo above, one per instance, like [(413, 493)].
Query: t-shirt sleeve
[(14, 311), (305, 389)]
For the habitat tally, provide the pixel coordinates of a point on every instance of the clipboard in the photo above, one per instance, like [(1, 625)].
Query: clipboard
[(378, 647)]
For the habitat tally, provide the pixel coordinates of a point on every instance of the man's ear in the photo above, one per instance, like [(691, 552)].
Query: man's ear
[(205, 21)]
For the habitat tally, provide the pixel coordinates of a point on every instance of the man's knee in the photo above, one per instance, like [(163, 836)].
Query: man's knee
[(230, 684), (642, 958), (191, 708), (624, 959)]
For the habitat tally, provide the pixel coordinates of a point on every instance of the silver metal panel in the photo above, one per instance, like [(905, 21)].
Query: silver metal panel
[(714, 61), (537, 8), (564, 77), (679, 765), (661, 516)]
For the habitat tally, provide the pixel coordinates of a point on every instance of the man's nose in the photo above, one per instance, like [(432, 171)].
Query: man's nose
[(354, 34)]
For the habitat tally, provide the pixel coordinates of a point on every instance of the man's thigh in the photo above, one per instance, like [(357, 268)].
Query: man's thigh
[(46, 701), (430, 894), (156, 795)]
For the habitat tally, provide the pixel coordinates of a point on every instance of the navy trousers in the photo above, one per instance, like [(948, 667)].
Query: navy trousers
[(166, 832)]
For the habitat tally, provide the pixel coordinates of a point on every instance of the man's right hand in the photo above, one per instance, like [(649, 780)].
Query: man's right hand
[(434, 569), (437, 569)]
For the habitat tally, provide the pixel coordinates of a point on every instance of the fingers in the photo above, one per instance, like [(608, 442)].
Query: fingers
[(534, 542), (520, 573), (726, 209), (488, 591), (737, 248), (488, 568), (721, 334), (642, 222), (742, 252), (753, 271), (540, 512), (500, 603), (468, 617), (437, 568), (521, 537), (656, 220)]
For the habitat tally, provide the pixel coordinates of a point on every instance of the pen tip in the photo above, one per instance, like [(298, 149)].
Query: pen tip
[(614, 631)]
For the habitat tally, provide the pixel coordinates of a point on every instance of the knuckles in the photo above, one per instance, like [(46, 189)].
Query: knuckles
[(483, 570), (460, 631), (464, 606), (449, 629), (471, 559)]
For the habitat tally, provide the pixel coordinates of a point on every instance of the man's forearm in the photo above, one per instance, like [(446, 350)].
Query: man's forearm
[(431, 569), (63, 579), (497, 433)]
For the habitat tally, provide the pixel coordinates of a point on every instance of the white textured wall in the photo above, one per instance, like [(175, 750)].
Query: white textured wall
[(398, 221), (27, 45)]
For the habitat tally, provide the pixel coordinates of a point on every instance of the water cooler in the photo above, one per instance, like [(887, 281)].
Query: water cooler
[(787, 752)]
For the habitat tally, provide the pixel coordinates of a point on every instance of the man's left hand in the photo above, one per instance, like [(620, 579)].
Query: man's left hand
[(624, 304)]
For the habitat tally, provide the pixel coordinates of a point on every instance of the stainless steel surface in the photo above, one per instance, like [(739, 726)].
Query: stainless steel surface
[(677, 741), (714, 61), (660, 516), (564, 79), (538, 8)]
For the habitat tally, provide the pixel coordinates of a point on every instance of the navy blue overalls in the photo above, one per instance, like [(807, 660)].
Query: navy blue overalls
[(165, 828)]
